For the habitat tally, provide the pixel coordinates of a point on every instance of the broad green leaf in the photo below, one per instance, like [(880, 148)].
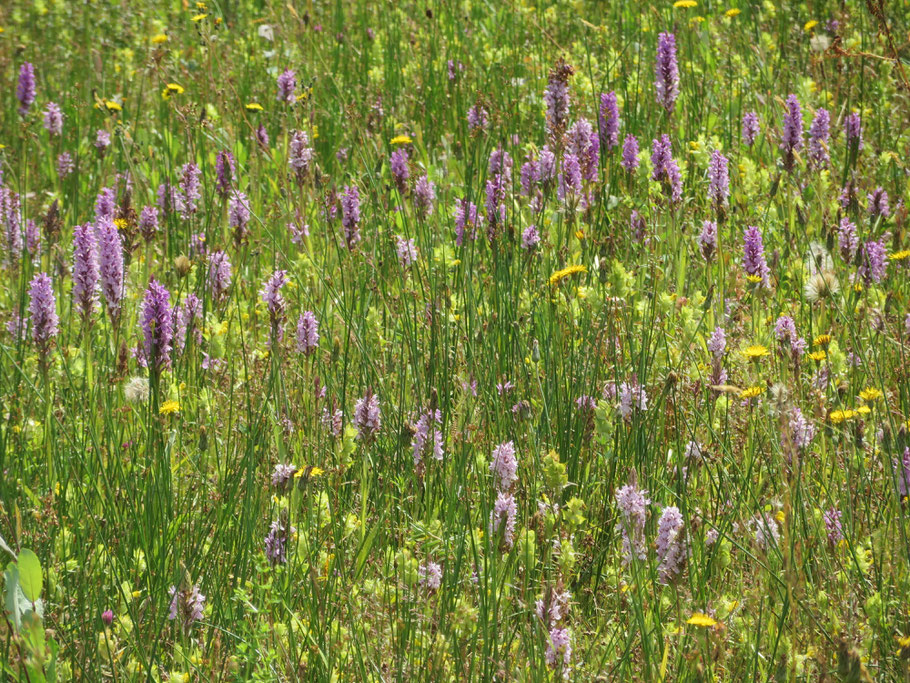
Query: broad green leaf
[(30, 575)]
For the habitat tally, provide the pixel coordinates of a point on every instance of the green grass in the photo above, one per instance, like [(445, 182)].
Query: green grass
[(120, 501)]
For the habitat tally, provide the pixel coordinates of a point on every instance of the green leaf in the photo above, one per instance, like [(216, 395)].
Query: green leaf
[(11, 576), (30, 575)]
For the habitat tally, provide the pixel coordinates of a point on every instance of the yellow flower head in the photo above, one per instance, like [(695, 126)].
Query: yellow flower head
[(756, 351), (199, 17), (120, 223), (754, 279), (838, 416), (112, 106), (751, 392), (870, 394), (172, 89), (401, 140), (703, 620), (902, 255), (818, 356), (253, 106), (733, 12), (158, 39), (822, 340), (809, 25), (566, 272), (685, 4), (169, 408)]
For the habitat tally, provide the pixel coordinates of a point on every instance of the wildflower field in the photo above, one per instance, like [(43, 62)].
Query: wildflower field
[(372, 341)]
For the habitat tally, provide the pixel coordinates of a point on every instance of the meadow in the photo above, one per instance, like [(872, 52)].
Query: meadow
[(371, 341)]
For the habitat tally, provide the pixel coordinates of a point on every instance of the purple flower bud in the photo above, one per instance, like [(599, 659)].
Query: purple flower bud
[(875, 261), (271, 296), (719, 176), (502, 518), (190, 188), (107, 617), (630, 154), (530, 238), (819, 132), (853, 131), (633, 504), (32, 238), (398, 163), (792, 135), (300, 155), (224, 172), (609, 120), (105, 205), (504, 465), (307, 333), (42, 309), (665, 169), (833, 526), (65, 165), (25, 88), (350, 215), (102, 140), (157, 321), (878, 204), (478, 118), (238, 214), (582, 141), (465, 218), (751, 128), (148, 222), (85, 270), (110, 267), (367, 416), (556, 97), (287, 87), (754, 262), (261, 136), (219, 275), (424, 196), (666, 72), (707, 240), (671, 544), (847, 240), (53, 119)]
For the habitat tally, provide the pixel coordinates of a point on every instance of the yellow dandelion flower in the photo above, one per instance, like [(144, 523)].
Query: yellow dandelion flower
[(169, 408), (751, 392), (566, 272), (401, 140), (199, 17), (822, 340), (863, 410), (754, 279), (838, 416), (120, 223), (699, 619), (254, 106), (685, 4), (809, 25), (112, 106), (818, 356), (870, 394), (175, 88), (579, 234), (756, 351), (158, 39), (733, 12), (900, 255)]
